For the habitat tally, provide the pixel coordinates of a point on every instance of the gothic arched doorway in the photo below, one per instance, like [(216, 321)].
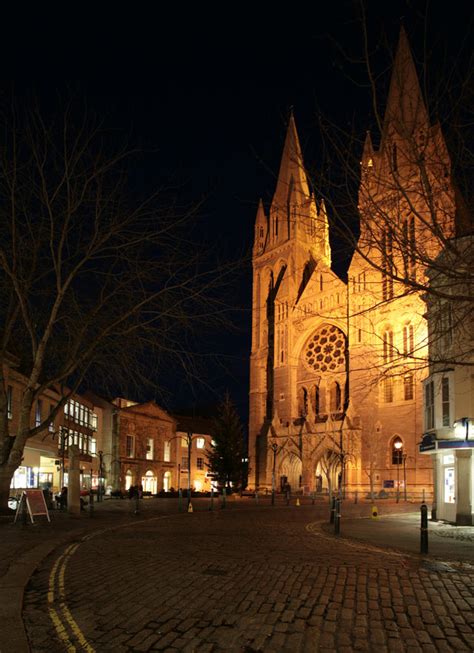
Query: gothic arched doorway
[(290, 471)]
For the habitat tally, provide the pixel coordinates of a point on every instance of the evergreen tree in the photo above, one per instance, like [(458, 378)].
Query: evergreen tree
[(227, 449)]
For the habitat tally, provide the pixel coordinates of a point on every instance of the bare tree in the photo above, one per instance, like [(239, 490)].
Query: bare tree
[(93, 285)]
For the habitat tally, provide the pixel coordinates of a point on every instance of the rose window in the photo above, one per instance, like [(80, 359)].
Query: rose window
[(325, 351)]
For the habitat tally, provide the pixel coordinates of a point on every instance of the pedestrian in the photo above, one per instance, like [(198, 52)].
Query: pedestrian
[(63, 498), (131, 492)]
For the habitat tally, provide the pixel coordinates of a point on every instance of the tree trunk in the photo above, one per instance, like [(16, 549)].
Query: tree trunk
[(6, 472)]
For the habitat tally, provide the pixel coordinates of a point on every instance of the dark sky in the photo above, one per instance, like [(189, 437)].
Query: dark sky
[(207, 93)]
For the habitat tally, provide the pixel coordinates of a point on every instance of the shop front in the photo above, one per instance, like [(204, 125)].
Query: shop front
[(453, 477)]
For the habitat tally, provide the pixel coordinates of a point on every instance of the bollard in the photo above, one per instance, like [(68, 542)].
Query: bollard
[(180, 500), (337, 517), (332, 511), (287, 497), (137, 503), (211, 507), (356, 497), (91, 503), (273, 497), (24, 510), (223, 498), (375, 512), (424, 529)]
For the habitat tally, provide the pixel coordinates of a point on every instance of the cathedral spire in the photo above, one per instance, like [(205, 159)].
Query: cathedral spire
[(368, 151), (292, 182), (406, 109), (261, 229)]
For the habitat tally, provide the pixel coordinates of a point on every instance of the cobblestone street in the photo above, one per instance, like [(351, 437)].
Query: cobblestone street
[(248, 580)]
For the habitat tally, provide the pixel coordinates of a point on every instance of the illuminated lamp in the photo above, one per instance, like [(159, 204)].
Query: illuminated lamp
[(461, 427)]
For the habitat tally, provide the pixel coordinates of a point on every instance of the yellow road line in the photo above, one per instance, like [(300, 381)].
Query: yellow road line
[(61, 631), (61, 564)]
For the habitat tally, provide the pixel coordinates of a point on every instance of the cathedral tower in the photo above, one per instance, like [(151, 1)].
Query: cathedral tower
[(336, 368)]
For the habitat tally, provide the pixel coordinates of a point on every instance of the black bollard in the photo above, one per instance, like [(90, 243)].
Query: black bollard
[(332, 511), (424, 529), (273, 497), (91, 503), (137, 503), (223, 498), (337, 517)]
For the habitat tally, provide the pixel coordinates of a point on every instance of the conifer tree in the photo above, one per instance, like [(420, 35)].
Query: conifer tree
[(227, 449)]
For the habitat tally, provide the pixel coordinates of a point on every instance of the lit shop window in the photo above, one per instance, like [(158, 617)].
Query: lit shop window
[(449, 485)]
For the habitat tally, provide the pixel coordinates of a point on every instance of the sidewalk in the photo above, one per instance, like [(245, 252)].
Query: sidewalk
[(402, 532)]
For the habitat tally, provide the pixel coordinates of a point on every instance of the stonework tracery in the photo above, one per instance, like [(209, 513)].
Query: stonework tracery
[(325, 350)]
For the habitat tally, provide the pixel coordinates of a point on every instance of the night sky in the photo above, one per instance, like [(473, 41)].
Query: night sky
[(206, 93)]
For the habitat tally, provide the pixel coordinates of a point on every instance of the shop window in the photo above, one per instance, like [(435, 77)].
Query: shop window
[(449, 485), (130, 446)]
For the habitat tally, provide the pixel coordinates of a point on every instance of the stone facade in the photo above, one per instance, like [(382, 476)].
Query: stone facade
[(336, 367)]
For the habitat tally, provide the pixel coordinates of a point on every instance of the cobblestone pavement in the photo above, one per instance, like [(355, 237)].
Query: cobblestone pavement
[(253, 580)]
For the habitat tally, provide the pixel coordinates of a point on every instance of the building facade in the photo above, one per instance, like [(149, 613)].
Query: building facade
[(336, 366), (449, 388)]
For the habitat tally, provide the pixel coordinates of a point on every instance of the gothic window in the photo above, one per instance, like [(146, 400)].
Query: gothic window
[(397, 451), (325, 351), (388, 351), (408, 387), (388, 390), (408, 340), (303, 402), (387, 265), (394, 158), (335, 397)]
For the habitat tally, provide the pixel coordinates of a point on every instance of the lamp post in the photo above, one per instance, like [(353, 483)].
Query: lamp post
[(398, 448), (274, 448), (404, 458)]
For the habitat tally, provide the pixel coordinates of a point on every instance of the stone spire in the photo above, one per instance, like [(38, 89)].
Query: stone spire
[(261, 229), (368, 151), (406, 110), (292, 185)]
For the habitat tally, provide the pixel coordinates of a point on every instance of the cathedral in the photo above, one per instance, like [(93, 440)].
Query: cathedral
[(337, 366)]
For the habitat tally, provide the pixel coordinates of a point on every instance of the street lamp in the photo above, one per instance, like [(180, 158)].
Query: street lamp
[(276, 448), (459, 425), (398, 446)]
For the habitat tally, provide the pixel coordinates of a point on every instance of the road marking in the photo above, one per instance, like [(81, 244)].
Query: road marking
[(57, 576)]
